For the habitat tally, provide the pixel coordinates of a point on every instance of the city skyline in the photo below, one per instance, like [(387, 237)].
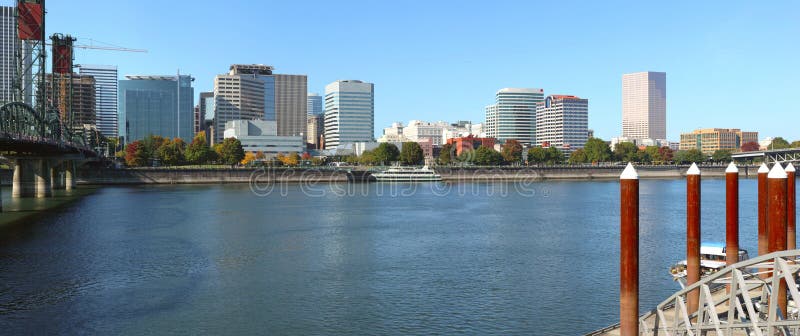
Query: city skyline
[(711, 49)]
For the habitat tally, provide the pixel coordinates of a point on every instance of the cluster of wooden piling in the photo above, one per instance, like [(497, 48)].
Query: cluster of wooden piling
[(776, 230)]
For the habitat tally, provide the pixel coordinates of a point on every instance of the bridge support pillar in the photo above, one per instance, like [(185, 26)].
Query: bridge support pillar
[(57, 176), (69, 175), (42, 176), (23, 184)]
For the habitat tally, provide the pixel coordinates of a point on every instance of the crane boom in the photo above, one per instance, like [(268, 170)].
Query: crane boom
[(94, 47)]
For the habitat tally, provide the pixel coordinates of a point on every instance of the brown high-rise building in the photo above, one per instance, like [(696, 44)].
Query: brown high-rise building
[(80, 98)]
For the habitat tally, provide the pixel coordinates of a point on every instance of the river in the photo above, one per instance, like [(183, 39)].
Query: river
[(335, 259)]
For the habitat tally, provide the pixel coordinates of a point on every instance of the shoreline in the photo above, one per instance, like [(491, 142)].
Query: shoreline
[(342, 175)]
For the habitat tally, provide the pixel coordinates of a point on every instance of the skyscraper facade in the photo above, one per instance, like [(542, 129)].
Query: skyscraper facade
[(252, 91), (644, 105), (513, 116), (9, 43), (349, 112), (105, 90), (562, 121), (314, 130), (314, 105), (156, 105), (202, 111)]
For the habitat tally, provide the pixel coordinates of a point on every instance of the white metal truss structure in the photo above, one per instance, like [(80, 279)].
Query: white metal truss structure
[(750, 308), (777, 155)]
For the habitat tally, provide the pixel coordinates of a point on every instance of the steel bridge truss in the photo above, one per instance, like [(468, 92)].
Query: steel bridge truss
[(20, 122), (750, 308)]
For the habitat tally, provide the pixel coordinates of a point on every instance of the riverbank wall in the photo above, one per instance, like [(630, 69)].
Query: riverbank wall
[(333, 175)]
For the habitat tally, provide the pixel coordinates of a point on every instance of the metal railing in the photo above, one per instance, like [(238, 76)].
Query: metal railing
[(750, 308)]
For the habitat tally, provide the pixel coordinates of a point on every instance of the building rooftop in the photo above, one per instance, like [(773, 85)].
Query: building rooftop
[(251, 69), (520, 90)]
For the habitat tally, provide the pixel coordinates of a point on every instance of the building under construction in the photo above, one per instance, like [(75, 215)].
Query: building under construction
[(75, 99)]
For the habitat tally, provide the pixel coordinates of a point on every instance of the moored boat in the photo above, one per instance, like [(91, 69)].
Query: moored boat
[(407, 174), (712, 259)]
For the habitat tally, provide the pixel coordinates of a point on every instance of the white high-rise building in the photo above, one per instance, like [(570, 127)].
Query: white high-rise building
[(562, 122), (349, 112), (105, 90), (9, 42), (513, 116), (644, 105)]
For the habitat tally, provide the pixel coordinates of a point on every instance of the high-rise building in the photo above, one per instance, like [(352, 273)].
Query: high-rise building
[(76, 105), (9, 44), (349, 112), (315, 105), (314, 130), (562, 121), (709, 140), (105, 90), (644, 105), (252, 91), (156, 105), (202, 111), (513, 116)]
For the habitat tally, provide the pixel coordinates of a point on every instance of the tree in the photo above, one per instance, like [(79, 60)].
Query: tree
[(554, 155), (665, 154), (385, 153), (689, 156), (445, 157), (171, 153), (651, 154), (230, 151), (795, 144), (306, 156), (512, 151), (721, 155), (135, 154), (751, 146), (626, 152), (597, 150), (292, 159), (779, 143), (487, 156), (198, 152), (578, 156), (537, 155), (368, 157), (411, 153), (248, 158)]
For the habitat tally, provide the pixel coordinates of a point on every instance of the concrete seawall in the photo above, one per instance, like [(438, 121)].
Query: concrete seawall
[(453, 174)]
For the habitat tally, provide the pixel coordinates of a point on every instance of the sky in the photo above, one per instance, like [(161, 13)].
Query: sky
[(729, 64)]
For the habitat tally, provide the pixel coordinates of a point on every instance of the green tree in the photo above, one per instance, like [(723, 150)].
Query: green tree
[(597, 150), (230, 151), (721, 155), (411, 153), (537, 155), (651, 154), (779, 143), (386, 153), (198, 152), (554, 155), (689, 156), (445, 157), (486, 156), (578, 156), (795, 144), (512, 151), (626, 152), (171, 153)]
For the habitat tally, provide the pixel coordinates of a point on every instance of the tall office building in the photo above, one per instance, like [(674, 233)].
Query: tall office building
[(644, 105), (563, 122), (156, 105), (314, 105), (252, 91), (202, 111), (513, 116), (709, 140), (314, 130), (9, 42), (349, 112), (77, 105), (105, 90)]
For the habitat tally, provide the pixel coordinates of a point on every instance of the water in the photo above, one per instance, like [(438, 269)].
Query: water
[(472, 259)]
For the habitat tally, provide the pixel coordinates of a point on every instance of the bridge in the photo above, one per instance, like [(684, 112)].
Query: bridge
[(771, 156), (38, 136)]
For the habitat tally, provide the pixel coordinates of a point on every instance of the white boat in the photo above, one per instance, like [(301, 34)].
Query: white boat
[(712, 259), (407, 174)]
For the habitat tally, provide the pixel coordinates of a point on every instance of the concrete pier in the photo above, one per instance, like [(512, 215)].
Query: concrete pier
[(69, 175), (23, 183), (42, 177)]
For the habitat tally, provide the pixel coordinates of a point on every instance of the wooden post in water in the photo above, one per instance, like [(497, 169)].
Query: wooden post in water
[(732, 214), (791, 208), (692, 235), (629, 252), (776, 221)]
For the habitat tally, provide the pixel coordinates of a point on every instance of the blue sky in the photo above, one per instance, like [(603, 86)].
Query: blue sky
[(729, 63)]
